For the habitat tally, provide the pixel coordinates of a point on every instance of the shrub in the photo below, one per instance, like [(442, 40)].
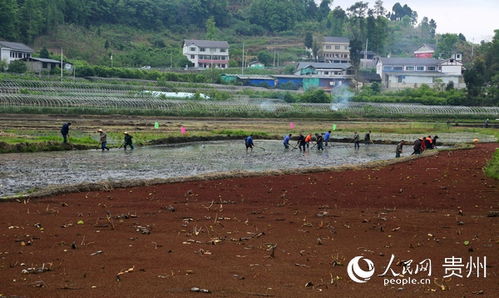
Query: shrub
[(17, 66)]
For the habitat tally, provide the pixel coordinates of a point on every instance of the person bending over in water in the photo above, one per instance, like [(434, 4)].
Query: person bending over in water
[(249, 143)]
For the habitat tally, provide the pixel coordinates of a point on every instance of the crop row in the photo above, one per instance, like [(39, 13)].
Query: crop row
[(154, 104)]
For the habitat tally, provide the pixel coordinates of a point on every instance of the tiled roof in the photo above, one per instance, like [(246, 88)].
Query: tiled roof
[(336, 39), (207, 43), (44, 60), (410, 61), (16, 46)]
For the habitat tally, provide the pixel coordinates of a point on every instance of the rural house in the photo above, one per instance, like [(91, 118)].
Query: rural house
[(335, 49), (324, 75), (11, 51), (399, 73), (38, 65), (207, 53), (324, 69)]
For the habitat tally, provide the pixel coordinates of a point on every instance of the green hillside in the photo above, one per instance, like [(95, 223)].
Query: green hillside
[(149, 32)]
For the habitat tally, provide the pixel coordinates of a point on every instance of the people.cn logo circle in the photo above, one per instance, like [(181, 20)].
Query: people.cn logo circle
[(357, 274)]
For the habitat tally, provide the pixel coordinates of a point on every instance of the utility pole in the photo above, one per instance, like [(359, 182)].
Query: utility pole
[(365, 52), (62, 63), (242, 62)]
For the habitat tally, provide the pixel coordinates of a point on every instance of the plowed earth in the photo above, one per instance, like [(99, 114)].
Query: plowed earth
[(277, 236)]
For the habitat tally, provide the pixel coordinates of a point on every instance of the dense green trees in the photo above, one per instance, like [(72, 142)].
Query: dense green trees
[(8, 19), (27, 19), (23, 20), (482, 77)]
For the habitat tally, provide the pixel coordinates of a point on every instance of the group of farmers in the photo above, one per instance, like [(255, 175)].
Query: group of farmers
[(127, 142), (303, 142), (424, 143)]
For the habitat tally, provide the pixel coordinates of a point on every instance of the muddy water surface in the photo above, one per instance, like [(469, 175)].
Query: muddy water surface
[(28, 171)]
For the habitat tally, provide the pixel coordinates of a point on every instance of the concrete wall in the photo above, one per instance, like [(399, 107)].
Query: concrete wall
[(5, 55), (452, 69), (413, 81)]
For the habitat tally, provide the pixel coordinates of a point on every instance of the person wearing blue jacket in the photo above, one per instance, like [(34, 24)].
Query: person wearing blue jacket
[(249, 143), (286, 140), (327, 135)]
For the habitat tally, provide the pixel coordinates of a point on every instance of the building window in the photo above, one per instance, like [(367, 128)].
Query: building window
[(223, 50), (192, 49), (400, 79), (409, 68), (420, 68), (193, 56), (387, 68), (431, 68), (202, 49), (346, 47), (328, 47), (337, 47), (44, 65), (398, 68)]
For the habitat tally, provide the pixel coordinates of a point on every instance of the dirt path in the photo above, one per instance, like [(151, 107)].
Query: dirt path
[(218, 235)]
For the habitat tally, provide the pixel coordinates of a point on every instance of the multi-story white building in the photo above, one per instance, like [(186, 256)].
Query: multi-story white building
[(11, 51), (399, 73), (335, 50), (207, 53)]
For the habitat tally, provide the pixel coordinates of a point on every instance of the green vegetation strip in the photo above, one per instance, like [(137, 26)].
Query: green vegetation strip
[(492, 168)]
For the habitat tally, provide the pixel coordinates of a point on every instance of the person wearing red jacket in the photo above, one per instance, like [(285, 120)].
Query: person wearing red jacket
[(308, 139), (423, 144)]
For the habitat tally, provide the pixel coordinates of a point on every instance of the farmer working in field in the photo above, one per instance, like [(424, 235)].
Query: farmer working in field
[(65, 131), (428, 143), (103, 139), (308, 139), (356, 140), (423, 144), (326, 137), (319, 139), (434, 142), (398, 150), (367, 138), (417, 146), (128, 141), (286, 140), (301, 142), (249, 143)]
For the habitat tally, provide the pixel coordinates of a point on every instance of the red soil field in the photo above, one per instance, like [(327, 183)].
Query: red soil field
[(277, 236)]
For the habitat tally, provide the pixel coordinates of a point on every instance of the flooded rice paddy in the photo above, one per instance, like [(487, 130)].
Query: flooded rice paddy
[(25, 172)]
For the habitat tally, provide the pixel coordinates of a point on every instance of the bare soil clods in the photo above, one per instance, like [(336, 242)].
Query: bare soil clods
[(279, 236)]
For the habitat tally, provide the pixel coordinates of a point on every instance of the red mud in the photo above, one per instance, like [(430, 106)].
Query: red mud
[(219, 235)]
